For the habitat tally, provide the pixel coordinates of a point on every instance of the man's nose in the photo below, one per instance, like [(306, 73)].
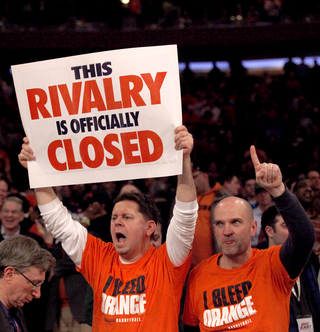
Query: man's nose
[(119, 222), (227, 230), (36, 293)]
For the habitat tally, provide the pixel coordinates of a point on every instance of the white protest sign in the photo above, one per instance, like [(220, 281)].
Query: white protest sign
[(101, 117)]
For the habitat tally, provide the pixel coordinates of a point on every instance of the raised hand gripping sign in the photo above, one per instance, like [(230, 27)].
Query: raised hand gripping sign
[(101, 117)]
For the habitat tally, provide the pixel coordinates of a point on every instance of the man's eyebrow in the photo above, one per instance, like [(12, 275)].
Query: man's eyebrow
[(232, 220)]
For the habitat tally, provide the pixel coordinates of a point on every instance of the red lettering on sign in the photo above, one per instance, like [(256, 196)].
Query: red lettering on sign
[(147, 148)]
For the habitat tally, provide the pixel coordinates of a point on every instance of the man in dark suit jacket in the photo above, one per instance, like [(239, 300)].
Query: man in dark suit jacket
[(23, 266), (13, 222)]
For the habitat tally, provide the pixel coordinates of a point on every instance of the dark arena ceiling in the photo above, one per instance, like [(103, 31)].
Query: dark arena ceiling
[(194, 44)]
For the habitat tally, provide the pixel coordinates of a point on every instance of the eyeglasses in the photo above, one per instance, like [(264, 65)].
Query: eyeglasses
[(33, 284), (15, 212)]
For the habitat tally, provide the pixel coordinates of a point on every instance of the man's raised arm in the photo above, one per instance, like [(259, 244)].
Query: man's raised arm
[(296, 249), (56, 217), (186, 190), (181, 229), (44, 195)]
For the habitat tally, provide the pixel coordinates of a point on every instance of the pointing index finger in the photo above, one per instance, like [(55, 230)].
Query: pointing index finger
[(254, 157)]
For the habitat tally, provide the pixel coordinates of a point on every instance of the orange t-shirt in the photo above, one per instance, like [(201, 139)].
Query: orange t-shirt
[(203, 243), (253, 297), (142, 296)]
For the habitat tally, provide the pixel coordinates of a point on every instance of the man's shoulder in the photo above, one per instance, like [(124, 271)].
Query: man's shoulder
[(2, 311), (259, 254), (204, 266), (5, 323), (216, 187), (94, 243)]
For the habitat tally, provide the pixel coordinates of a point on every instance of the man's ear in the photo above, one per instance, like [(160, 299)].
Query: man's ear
[(254, 228), (269, 231), (151, 227), (8, 274)]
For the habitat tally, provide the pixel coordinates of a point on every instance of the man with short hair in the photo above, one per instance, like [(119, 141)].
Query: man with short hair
[(4, 188), (23, 265), (243, 288), (264, 200), (274, 227), (305, 193), (305, 296), (231, 183), (11, 224), (11, 215), (136, 286), (248, 192), (314, 176)]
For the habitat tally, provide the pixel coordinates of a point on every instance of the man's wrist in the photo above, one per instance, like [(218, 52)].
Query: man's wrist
[(277, 191)]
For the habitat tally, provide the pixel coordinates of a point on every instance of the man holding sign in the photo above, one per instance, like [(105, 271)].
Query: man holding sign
[(136, 287)]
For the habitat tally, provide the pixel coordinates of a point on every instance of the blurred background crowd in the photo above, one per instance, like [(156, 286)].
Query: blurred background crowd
[(226, 113)]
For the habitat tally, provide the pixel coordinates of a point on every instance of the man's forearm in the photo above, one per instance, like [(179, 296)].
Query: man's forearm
[(45, 195), (186, 190), (296, 249), (181, 231)]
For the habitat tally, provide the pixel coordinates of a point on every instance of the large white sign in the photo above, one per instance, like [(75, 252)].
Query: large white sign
[(101, 117)]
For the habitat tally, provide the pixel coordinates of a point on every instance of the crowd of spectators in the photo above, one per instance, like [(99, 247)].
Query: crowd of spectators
[(226, 112), (69, 14), (277, 113)]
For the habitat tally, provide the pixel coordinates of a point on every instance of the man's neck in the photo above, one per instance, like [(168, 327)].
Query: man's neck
[(5, 232), (12, 231), (4, 303), (229, 263), (130, 260), (271, 243)]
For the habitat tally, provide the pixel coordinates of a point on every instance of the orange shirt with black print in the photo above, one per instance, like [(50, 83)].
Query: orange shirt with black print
[(133, 297), (253, 296)]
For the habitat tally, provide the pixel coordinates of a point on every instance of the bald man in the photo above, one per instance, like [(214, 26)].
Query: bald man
[(244, 288)]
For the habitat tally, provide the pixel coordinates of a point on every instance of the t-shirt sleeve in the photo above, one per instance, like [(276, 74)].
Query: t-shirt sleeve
[(97, 254), (60, 224), (181, 231), (280, 275), (189, 316)]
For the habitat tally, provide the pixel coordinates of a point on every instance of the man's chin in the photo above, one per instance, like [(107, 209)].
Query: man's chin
[(230, 252), (121, 250), (23, 302), (20, 305)]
